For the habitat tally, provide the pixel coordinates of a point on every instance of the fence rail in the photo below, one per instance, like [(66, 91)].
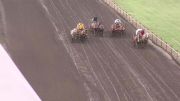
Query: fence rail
[(153, 37)]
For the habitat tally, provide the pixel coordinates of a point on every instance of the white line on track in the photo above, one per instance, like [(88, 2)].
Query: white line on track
[(72, 52), (112, 72), (131, 70), (155, 74), (96, 56)]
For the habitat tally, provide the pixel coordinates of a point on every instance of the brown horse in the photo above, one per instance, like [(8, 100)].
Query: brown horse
[(97, 28), (118, 28)]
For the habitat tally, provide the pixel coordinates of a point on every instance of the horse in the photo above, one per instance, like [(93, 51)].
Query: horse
[(97, 28), (78, 34), (118, 28), (140, 40)]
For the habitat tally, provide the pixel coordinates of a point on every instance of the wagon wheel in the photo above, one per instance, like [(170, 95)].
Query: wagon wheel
[(72, 39), (95, 32), (83, 36), (124, 31), (102, 33), (146, 41), (134, 41), (112, 33), (136, 44)]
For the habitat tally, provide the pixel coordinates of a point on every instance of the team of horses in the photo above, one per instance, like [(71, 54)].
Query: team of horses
[(96, 28)]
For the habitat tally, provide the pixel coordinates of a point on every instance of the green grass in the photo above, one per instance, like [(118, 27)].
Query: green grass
[(160, 16)]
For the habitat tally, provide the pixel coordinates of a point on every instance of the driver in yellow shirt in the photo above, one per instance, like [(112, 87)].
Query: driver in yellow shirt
[(80, 26)]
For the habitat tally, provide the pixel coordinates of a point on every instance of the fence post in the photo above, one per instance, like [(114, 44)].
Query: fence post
[(152, 37), (135, 23), (161, 41), (177, 54), (156, 39), (166, 46), (126, 15), (122, 12), (114, 6), (130, 19)]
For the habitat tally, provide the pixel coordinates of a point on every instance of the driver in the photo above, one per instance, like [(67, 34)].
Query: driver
[(95, 19), (140, 33), (80, 26), (117, 21)]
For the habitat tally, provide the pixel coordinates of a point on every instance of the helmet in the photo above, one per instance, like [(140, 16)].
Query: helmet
[(95, 18), (80, 26), (117, 21)]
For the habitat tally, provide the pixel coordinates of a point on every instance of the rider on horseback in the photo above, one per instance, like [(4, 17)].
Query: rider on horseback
[(80, 27), (117, 21), (140, 33), (95, 19), (118, 25), (94, 23), (96, 26)]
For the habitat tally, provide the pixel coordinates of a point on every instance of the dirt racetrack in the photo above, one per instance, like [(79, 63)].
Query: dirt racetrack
[(100, 69)]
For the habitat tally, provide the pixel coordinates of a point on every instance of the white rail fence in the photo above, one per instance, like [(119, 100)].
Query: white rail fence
[(153, 37)]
